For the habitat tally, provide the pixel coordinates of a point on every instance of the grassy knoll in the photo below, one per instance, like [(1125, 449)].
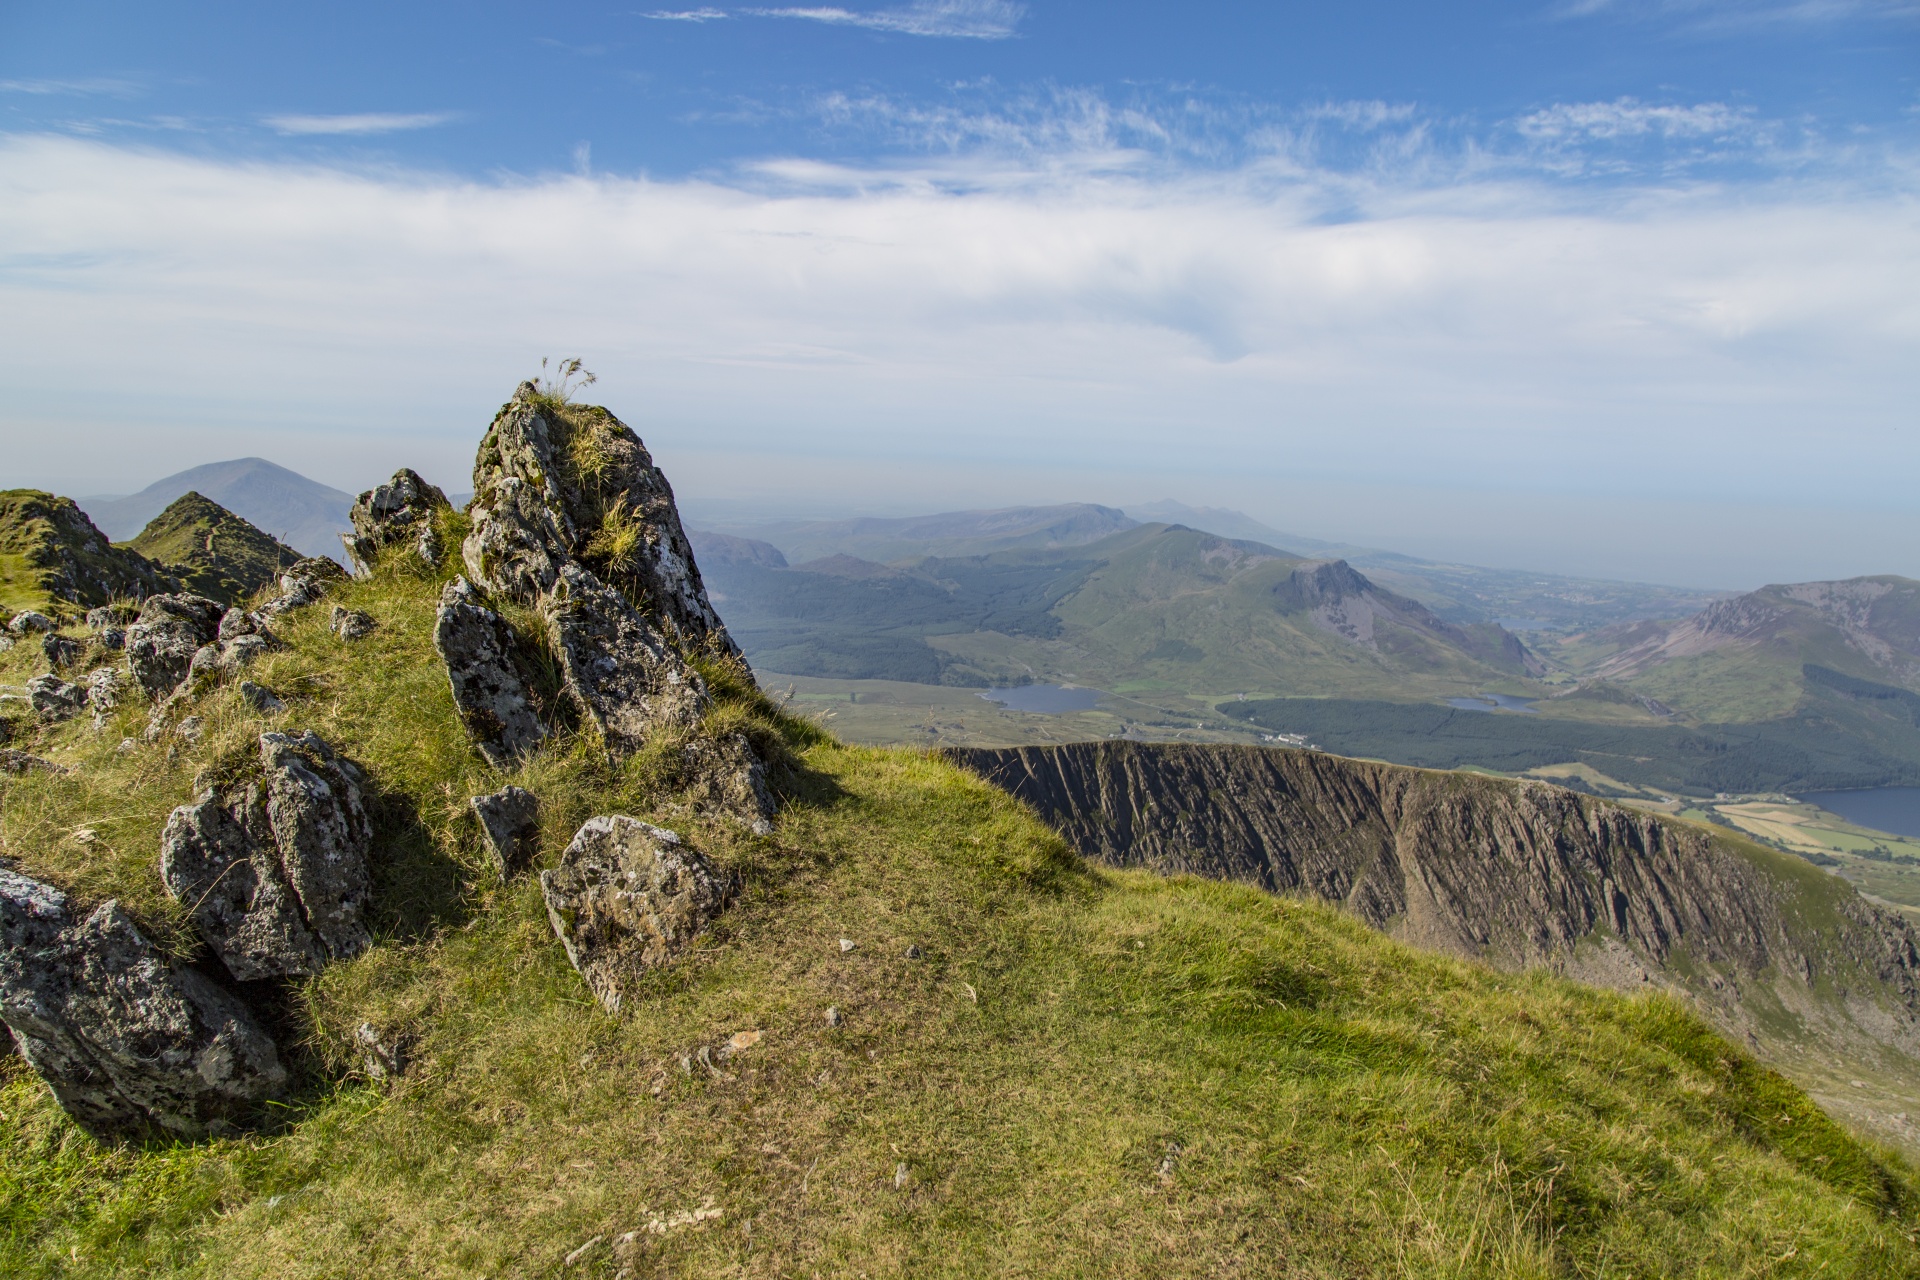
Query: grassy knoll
[(212, 551), (1082, 1073)]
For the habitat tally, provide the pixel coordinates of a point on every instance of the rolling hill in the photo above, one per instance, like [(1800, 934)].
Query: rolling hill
[(305, 514), (212, 551), (1152, 606)]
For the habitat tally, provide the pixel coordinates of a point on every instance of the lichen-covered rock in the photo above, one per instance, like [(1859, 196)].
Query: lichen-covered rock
[(112, 638), (726, 777), (27, 621), (19, 763), (219, 857), (127, 1039), (161, 645), (104, 687), (61, 651), (274, 867), (510, 823), (553, 485), (350, 624), (304, 582), (399, 511), (54, 699), (261, 698), (618, 668), (627, 898), (488, 690)]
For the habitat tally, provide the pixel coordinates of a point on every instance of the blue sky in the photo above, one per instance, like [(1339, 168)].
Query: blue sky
[(1617, 288)]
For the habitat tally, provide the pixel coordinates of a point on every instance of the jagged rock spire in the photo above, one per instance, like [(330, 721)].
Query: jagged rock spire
[(557, 483)]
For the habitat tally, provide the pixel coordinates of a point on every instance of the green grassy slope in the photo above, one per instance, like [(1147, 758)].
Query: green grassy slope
[(212, 551), (1083, 1072), (53, 559)]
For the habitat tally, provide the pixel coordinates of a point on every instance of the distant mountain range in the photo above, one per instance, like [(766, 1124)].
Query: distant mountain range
[(1519, 600), (304, 514)]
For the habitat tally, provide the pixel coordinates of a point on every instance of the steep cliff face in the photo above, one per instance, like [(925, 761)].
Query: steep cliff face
[(1519, 874)]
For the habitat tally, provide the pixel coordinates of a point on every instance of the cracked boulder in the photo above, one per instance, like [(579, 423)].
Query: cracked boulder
[(274, 868), (726, 776), (488, 690), (510, 823), (558, 484), (395, 513), (61, 651), (627, 898), (161, 645), (618, 668), (127, 1039)]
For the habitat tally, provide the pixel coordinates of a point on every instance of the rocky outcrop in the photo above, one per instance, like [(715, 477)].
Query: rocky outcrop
[(55, 699), (1517, 873), (302, 585), (61, 651), (127, 1039), (350, 624), (63, 557), (19, 763), (554, 484), (160, 646), (488, 688), (627, 898), (398, 512), (510, 825), (273, 869), (619, 669)]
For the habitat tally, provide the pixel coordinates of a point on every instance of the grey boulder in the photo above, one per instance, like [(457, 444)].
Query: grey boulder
[(127, 1040), (478, 647), (274, 870), (61, 651), (510, 823), (53, 698), (399, 511), (162, 644), (626, 898), (19, 763), (28, 621), (618, 668), (350, 624)]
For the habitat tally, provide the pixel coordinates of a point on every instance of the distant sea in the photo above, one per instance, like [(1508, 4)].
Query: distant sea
[(1890, 809)]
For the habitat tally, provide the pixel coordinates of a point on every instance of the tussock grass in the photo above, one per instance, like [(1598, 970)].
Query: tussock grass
[(1083, 1073)]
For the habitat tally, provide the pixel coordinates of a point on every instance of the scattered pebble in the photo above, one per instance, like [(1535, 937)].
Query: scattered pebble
[(846, 945), (833, 1015), (913, 953), (900, 1176)]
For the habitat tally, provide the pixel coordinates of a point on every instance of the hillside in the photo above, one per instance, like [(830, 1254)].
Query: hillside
[(1153, 607), (920, 1037), (51, 556), (1524, 876), (1762, 654), (302, 513), (211, 551), (950, 533)]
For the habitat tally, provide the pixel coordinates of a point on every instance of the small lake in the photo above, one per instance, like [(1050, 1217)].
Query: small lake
[(1891, 809), (1045, 699), (1495, 702)]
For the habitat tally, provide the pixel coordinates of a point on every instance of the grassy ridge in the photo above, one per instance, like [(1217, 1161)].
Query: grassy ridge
[(1083, 1073)]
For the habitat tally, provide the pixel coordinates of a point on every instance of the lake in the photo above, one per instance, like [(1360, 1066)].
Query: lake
[(1045, 699), (1495, 702), (1891, 809)]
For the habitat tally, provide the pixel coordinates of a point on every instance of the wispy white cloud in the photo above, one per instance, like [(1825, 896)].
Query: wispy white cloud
[(1630, 118), (361, 123), (1707, 15), (963, 19), (686, 15), (95, 86)]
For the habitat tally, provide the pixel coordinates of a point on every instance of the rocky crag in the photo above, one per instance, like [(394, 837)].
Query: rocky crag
[(210, 551), (271, 863), (52, 555), (1518, 874)]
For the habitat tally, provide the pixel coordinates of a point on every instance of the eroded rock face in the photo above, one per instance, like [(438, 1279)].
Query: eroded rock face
[(161, 645), (399, 511), (556, 486), (510, 823), (618, 668), (626, 898), (478, 647), (274, 869), (125, 1038)]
